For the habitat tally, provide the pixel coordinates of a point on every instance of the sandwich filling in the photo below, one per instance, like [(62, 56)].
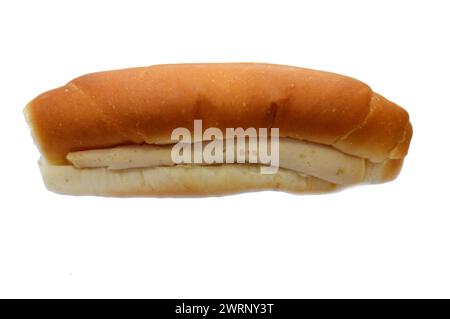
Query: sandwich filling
[(320, 161)]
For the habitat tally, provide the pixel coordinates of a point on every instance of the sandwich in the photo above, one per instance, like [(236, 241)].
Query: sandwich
[(145, 131)]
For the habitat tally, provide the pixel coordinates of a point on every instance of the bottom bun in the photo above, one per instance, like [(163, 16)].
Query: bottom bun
[(180, 180)]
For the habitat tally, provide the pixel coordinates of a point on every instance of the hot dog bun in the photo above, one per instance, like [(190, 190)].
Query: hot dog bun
[(143, 105)]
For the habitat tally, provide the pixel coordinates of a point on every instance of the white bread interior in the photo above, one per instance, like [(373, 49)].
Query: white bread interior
[(179, 180), (148, 170)]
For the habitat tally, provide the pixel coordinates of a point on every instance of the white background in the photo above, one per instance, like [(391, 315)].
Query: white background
[(389, 240)]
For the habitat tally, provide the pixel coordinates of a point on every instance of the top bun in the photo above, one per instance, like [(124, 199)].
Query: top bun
[(144, 105)]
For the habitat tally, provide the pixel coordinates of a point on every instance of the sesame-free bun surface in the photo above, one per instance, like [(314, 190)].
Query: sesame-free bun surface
[(144, 105)]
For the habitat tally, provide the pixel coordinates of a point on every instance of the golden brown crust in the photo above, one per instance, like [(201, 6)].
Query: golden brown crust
[(400, 151), (382, 131), (138, 105), (384, 171)]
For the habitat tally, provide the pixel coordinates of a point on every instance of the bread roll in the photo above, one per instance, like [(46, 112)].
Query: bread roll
[(92, 128)]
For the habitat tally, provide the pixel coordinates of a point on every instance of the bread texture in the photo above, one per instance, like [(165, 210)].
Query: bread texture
[(180, 180), (144, 105), (109, 133)]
